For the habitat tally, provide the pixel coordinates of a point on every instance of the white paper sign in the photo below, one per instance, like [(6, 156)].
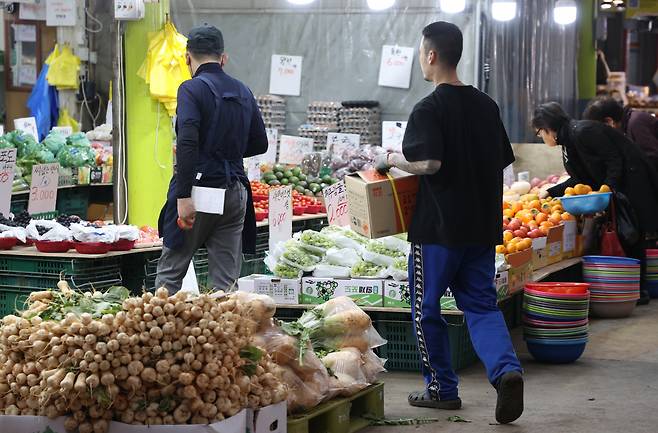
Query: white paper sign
[(66, 131), (28, 125), (292, 149), (2, 129), (253, 168), (27, 74), (208, 200), (395, 67), (43, 191), (392, 135), (33, 11), (272, 145), (25, 32), (280, 216), (335, 200), (61, 13), (569, 236), (337, 142), (286, 75), (7, 165)]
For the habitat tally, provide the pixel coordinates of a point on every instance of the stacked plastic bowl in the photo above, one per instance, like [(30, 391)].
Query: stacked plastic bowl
[(651, 276), (555, 323), (614, 285)]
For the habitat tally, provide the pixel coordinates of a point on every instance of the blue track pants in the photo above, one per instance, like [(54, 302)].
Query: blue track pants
[(470, 273)]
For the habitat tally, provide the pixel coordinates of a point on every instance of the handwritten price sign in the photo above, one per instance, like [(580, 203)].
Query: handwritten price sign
[(28, 125), (337, 142), (335, 200), (280, 218), (395, 67), (292, 149), (392, 135), (43, 191), (7, 165), (286, 75)]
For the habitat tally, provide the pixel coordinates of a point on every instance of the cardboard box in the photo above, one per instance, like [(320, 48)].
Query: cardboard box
[(397, 294), (554, 244), (569, 239), (372, 206), (98, 211), (31, 424), (270, 419), (317, 290), (235, 424), (282, 290), (364, 292), (539, 253), (502, 284), (520, 270)]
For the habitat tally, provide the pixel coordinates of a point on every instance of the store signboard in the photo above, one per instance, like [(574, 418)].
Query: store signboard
[(61, 13), (395, 66), (392, 135), (292, 149), (286, 75), (33, 11), (338, 142), (335, 200), (28, 125), (280, 216), (7, 165), (25, 32), (43, 190), (66, 131)]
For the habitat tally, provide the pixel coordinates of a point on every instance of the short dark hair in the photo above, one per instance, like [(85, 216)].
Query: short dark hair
[(605, 106), (550, 116), (447, 40)]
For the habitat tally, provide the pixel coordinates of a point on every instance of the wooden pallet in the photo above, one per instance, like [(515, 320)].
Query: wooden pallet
[(341, 415)]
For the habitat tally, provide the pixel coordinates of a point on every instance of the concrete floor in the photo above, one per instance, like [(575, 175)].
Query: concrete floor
[(612, 388)]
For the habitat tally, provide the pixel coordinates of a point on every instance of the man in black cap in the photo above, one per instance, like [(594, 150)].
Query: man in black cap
[(209, 200)]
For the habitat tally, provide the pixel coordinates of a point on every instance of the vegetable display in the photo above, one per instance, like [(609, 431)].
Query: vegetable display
[(153, 359), (366, 269)]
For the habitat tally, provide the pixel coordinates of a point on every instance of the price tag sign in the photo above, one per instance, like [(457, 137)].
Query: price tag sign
[(392, 135), (286, 75), (61, 13), (7, 165), (569, 236), (66, 131), (28, 125), (395, 67), (253, 168), (43, 191), (272, 145), (292, 149), (280, 217), (335, 200), (338, 143)]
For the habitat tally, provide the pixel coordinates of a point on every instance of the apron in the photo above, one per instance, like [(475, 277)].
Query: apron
[(174, 236)]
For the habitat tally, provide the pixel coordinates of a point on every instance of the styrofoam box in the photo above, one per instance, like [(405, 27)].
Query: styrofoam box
[(282, 290)]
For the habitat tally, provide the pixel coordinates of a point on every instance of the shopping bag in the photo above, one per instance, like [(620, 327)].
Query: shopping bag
[(43, 103), (627, 223), (64, 69), (65, 119), (610, 243)]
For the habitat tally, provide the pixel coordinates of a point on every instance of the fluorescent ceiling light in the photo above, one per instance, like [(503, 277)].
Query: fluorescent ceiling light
[(452, 6), (380, 5), (301, 2), (565, 12), (503, 10)]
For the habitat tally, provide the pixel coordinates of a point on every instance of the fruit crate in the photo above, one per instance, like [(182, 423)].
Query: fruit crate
[(200, 259), (56, 265), (253, 264), (401, 350), (341, 415)]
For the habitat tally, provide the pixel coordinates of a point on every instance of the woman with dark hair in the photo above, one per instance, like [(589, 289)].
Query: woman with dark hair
[(596, 154)]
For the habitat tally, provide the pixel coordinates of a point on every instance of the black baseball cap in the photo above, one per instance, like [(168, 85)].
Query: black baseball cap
[(205, 40)]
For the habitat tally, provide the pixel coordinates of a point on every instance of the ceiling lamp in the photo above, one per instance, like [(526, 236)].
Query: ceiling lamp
[(452, 6), (565, 12), (301, 2), (380, 5), (503, 10)]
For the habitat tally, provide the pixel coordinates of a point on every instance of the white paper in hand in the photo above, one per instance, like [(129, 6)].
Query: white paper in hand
[(208, 200)]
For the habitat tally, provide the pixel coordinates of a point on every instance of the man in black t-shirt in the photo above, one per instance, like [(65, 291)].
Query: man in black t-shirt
[(456, 142)]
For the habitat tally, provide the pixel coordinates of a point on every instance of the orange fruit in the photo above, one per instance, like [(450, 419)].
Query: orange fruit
[(569, 191), (516, 207), (511, 248), (581, 189), (557, 208), (567, 216), (605, 188), (541, 217), (500, 249), (508, 213), (508, 235), (507, 205)]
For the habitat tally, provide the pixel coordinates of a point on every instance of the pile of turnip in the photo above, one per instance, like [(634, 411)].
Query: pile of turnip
[(157, 360)]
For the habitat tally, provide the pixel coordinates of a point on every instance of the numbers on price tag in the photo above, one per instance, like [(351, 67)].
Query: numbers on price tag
[(335, 200), (43, 190)]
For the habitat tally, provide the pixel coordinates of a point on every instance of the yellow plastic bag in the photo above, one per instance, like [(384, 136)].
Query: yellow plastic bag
[(65, 119), (164, 67), (64, 70)]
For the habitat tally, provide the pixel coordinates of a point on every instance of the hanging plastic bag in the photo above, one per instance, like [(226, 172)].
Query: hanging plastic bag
[(64, 69), (44, 100), (65, 119)]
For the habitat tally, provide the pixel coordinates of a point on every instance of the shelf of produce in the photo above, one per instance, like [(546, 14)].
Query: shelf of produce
[(27, 191), (33, 252), (305, 217)]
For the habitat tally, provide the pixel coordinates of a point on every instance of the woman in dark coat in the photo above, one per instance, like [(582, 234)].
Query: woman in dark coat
[(596, 154)]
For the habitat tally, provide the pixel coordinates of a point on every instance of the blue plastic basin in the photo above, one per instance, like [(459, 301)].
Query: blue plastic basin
[(556, 351), (586, 204), (611, 260)]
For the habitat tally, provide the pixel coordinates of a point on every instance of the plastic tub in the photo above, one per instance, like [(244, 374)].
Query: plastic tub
[(299, 210), (52, 246), (579, 289), (7, 243), (556, 351), (122, 245), (313, 208), (92, 247), (260, 216), (586, 204), (612, 310), (611, 260)]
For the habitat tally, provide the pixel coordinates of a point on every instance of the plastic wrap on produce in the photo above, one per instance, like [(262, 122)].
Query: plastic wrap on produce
[(325, 270), (127, 232), (13, 232), (347, 257), (90, 233), (56, 232), (343, 240), (346, 366), (365, 269)]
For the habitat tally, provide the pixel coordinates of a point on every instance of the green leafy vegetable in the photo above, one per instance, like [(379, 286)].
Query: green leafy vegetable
[(97, 304)]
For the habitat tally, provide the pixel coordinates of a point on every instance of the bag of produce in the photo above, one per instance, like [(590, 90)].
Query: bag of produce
[(76, 156), (54, 142), (365, 269), (396, 244), (347, 257), (299, 258), (13, 232), (79, 139), (282, 270), (373, 365), (127, 232), (90, 233), (346, 371), (376, 252), (46, 230), (315, 242), (326, 270), (399, 270), (341, 238)]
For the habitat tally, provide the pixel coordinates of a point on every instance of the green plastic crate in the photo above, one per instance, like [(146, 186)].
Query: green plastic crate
[(253, 264), (402, 353), (35, 282), (12, 300), (73, 201), (55, 265)]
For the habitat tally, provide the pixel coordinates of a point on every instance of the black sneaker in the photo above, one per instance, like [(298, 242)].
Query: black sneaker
[(509, 406), (423, 399)]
